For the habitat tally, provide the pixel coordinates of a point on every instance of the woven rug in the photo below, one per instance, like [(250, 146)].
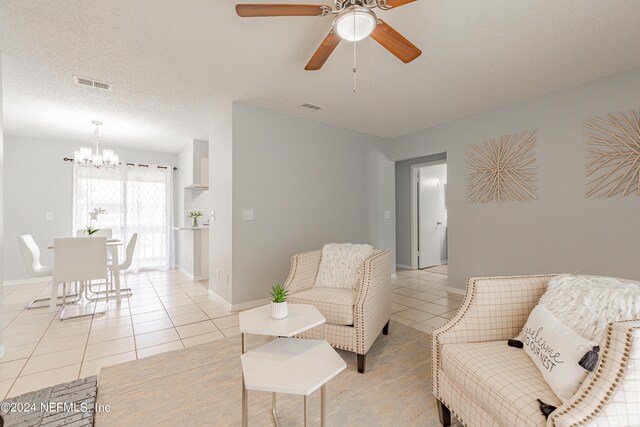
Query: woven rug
[(201, 386), (66, 404)]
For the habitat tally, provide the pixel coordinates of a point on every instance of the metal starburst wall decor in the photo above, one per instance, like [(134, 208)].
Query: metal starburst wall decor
[(613, 154), (502, 169)]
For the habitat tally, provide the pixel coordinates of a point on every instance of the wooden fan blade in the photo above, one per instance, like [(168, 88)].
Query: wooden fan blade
[(255, 10), (321, 55), (398, 3), (394, 42)]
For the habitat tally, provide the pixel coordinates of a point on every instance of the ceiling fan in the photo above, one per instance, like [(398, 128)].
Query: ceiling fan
[(354, 20)]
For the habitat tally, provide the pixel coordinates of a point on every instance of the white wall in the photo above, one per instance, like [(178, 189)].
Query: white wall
[(562, 231), (220, 193), (2, 272), (183, 241), (188, 242), (307, 183), (38, 181), (185, 177)]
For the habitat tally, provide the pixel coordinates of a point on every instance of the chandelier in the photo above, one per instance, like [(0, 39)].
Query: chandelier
[(86, 156)]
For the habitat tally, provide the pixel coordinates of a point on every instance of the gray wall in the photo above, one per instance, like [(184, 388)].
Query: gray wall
[(561, 231), (403, 205), (308, 184), (39, 181)]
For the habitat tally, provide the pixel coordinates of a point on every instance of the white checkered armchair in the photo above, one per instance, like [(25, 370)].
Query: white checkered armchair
[(483, 382), (356, 317)]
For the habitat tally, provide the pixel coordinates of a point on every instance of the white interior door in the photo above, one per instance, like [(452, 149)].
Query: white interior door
[(432, 216)]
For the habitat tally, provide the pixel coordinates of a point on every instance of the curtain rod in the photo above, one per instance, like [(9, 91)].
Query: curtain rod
[(69, 159)]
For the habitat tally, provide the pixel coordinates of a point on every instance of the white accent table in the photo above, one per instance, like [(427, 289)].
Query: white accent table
[(283, 365), (301, 317)]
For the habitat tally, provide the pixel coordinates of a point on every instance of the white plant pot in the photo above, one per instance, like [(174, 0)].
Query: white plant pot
[(279, 310)]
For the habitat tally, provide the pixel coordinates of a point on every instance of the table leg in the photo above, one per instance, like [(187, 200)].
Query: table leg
[(274, 410), (323, 404), (54, 296), (305, 411), (116, 271), (245, 409)]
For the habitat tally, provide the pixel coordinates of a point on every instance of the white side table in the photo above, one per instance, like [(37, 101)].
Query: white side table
[(293, 366), (258, 321)]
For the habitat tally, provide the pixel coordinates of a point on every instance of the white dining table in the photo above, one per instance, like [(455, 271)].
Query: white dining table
[(113, 246)]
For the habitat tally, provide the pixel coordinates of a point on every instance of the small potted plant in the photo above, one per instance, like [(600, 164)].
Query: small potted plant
[(279, 295), (194, 215), (93, 216)]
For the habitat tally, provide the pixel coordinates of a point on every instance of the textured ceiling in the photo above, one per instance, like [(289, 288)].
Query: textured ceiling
[(174, 63)]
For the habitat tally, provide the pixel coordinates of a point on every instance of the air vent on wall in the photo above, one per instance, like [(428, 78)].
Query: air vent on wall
[(311, 107), (92, 83)]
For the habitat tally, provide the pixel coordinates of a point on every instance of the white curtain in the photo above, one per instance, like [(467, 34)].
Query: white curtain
[(138, 199)]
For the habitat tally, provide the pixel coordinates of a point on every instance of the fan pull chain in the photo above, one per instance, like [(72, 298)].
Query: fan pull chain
[(355, 75), (355, 80)]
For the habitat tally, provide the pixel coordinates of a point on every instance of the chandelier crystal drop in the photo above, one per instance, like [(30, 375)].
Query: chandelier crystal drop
[(86, 156)]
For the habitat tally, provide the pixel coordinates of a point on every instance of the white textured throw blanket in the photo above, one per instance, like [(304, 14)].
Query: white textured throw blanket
[(588, 304), (341, 265)]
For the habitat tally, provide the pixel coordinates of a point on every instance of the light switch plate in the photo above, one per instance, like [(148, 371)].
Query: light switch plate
[(247, 214), (387, 214), (48, 216)]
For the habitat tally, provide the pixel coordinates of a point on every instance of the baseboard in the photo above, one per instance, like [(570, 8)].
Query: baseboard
[(189, 275), (3, 351), (249, 304), (218, 298), (406, 267), (237, 307), (14, 282), (453, 290), (394, 276)]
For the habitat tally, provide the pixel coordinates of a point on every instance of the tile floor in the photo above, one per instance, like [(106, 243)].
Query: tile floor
[(166, 312), (421, 299)]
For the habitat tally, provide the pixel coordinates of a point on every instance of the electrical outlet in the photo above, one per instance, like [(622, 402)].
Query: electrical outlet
[(48, 216), (247, 214), (387, 214), (217, 274)]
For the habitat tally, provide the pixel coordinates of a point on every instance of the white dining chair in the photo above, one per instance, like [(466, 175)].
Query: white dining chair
[(31, 257), (131, 247), (78, 260)]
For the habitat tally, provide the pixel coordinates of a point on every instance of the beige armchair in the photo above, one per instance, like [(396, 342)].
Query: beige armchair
[(354, 317), (483, 382)]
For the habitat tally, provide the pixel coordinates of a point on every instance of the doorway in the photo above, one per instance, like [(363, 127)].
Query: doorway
[(429, 214)]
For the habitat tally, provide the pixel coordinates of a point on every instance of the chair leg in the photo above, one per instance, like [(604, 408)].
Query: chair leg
[(362, 358), (445, 414), (385, 330)]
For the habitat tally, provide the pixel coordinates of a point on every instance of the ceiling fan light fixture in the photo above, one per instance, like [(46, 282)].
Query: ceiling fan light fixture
[(355, 23)]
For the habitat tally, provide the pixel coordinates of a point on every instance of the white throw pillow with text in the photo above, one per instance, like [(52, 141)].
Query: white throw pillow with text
[(556, 350)]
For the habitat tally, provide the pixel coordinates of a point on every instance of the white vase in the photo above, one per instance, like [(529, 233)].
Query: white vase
[(279, 310)]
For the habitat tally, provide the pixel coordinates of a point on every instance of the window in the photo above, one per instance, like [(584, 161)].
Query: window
[(138, 200)]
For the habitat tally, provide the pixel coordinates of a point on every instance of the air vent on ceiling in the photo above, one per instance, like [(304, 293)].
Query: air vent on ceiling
[(311, 107), (92, 83)]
